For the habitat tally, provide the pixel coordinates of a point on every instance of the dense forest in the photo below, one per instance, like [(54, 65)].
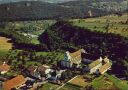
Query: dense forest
[(33, 10)]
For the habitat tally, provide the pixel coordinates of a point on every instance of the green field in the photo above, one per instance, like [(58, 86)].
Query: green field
[(49, 86), (109, 82), (70, 86), (122, 85), (5, 46), (110, 24), (103, 83)]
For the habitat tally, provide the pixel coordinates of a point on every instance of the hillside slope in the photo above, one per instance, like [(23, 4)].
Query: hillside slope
[(31, 10)]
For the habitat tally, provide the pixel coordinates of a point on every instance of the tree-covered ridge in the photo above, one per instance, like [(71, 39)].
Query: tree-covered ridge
[(31, 10)]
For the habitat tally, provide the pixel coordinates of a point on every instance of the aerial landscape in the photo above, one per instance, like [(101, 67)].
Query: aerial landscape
[(63, 44)]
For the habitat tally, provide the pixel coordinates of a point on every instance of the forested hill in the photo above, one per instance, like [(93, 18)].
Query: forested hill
[(31, 10), (41, 10), (105, 5)]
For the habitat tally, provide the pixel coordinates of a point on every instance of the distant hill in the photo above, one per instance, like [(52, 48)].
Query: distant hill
[(105, 5), (40, 10), (31, 10), (49, 1)]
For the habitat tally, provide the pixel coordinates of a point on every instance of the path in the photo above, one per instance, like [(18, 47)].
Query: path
[(66, 83)]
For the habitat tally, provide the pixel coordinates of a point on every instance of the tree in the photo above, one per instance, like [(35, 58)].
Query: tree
[(69, 73), (89, 87), (63, 75)]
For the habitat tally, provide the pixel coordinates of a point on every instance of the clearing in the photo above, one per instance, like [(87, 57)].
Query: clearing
[(4, 45)]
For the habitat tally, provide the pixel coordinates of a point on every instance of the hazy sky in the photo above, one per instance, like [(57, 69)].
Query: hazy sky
[(51, 1)]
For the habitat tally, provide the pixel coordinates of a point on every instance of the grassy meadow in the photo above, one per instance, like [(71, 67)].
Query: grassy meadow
[(5, 46), (49, 86), (110, 24)]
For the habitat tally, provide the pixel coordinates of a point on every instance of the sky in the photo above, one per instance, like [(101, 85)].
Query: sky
[(50, 1)]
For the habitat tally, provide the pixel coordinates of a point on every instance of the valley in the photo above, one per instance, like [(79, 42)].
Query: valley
[(43, 43)]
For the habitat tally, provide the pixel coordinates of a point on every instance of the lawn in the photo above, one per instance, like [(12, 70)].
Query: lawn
[(49, 86)]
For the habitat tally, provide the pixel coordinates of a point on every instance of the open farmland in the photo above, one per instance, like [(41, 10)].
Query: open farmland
[(121, 84), (4, 45), (106, 24), (49, 86), (103, 83), (80, 81)]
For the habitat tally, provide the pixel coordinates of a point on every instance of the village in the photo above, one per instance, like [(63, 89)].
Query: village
[(33, 77)]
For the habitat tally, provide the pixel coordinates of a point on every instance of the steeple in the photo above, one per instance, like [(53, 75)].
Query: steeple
[(90, 13)]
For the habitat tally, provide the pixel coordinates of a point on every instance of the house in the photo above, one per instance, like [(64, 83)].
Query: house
[(16, 83), (45, 71), (4, 68), (59, 73), (95, 65), (33, 71), (56, 76), (75, 57), (100, 66), (107, 65)]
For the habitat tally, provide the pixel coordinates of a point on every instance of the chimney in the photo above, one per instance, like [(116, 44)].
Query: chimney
[(100, 59), (83, 51)]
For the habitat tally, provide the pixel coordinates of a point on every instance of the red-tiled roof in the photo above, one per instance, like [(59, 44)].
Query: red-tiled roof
[(4, 67), (13, 83)]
